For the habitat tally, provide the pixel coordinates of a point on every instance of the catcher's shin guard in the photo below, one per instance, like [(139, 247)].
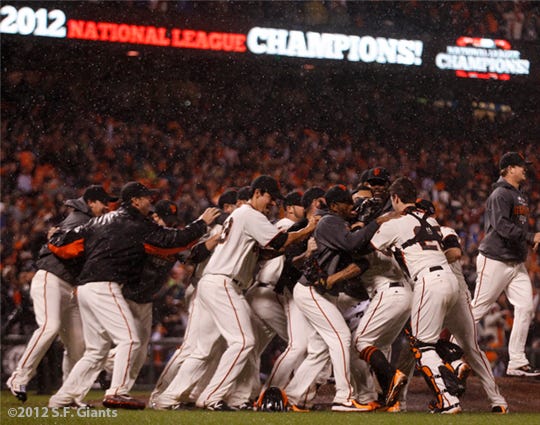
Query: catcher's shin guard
[(436, 375)]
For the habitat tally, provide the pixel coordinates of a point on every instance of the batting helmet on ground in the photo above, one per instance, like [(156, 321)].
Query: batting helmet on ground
[(272, 400)]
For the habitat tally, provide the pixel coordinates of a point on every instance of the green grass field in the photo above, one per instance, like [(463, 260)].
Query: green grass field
[(35, 412)]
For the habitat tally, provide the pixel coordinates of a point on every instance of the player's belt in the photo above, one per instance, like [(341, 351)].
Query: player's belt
[(431, 269), (388, 286)]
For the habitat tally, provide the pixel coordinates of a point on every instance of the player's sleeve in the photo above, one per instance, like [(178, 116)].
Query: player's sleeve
[(502, 222), (385, 236), (68, 244), (165, 241), (264, 232)]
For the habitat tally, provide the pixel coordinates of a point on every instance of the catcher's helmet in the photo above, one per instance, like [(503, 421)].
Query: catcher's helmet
[(273, 400)]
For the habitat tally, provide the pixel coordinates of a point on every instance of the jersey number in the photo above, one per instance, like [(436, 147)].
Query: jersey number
[(226, 230), (429, 244)]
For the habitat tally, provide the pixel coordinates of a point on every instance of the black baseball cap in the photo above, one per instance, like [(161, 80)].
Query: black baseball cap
[(230, 196), (378, 176), (244, 193), (293, 198), (311, 194), (338, 193), (267, 184), (97, 193), (167, 211), (512, 158), (136, 190)]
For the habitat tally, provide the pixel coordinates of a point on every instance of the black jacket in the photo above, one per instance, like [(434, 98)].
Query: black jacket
[(505, 225), (67, 270), (336, 244), (116, 245)]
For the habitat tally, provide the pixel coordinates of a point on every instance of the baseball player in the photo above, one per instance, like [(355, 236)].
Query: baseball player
[(416, 242), (334, 241), (293, 355), (139, 297), (464, 329), (388, 311), (199, 256), (55, 304), (229, 271), (115, 246), (501, 261)]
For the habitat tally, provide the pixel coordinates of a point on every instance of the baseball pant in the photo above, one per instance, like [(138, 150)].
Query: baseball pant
[(495, 277), (57, 313), (324, 316), (434, 296), (460, 322), (107, 320)]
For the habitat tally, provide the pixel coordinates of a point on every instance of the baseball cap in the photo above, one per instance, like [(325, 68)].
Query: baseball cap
[(311, 194), (167, 211), (267, 184), (97, 193), (228, 197), (293, 198), (378, 175), (136, 190), (426, 205), (512, 158), (338, 193), (244, 193)]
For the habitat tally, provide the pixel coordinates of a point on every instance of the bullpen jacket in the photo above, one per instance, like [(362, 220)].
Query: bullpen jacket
[(336, 243), (505, 224), (116, 245), (67, 270)]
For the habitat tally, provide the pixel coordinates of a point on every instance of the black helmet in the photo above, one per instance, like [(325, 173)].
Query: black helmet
[(273, 400)]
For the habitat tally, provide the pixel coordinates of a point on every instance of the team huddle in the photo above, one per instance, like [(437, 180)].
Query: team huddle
[(338, 278)]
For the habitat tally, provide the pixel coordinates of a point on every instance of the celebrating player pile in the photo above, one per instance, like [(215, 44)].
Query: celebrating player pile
[(338, 279)]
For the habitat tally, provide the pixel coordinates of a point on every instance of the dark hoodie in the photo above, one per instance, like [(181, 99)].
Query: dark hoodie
[(336, 243), (66, 270), (505, 225)]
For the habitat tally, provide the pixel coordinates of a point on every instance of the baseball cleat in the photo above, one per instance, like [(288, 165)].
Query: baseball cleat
[(463, 371), (72, 404), (219, 406), (398, 382), (501, 410), (526, 370), (123, 402), (353, 406), (395, 408), (19, 391), (448, 410), (297, 409)]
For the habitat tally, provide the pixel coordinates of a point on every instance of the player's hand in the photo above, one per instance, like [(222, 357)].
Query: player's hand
[(312, 223), (209, 215), (311, 247), (52, 231)]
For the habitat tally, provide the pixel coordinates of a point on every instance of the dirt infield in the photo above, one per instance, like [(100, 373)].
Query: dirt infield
[(522, 395)]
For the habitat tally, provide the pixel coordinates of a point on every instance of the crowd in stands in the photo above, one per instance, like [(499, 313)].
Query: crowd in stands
[(192, 140)]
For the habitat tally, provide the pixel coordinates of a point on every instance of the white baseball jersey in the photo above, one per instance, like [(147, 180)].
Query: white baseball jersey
[(382, 270), (417, 257), (238, 257)]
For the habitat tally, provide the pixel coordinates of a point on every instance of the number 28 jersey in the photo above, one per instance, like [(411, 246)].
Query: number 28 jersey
[(236, 255), (396, 235)]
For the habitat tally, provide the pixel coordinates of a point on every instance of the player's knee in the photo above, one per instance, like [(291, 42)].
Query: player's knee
[(524, 313)]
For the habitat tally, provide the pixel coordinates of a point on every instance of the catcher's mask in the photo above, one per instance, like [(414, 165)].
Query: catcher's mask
[(273, 400)]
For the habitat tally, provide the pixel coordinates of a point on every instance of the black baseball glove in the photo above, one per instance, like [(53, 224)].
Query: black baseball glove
[(315, 274)]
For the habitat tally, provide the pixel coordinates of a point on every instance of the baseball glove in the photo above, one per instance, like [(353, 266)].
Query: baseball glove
[(314, 273)]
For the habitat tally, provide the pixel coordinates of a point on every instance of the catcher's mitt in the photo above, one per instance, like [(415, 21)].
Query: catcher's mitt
[(315, 274)]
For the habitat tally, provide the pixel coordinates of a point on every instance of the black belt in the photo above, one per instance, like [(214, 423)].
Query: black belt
[(431, 269), (395, 285)]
